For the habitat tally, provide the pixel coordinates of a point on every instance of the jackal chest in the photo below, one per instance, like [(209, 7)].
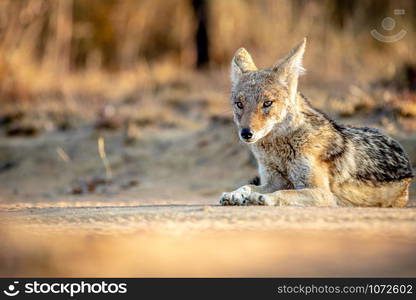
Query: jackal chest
[(277, 158), (282, 160)]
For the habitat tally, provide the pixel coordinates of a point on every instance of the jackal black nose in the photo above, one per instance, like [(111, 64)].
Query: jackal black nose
[(246, 133)]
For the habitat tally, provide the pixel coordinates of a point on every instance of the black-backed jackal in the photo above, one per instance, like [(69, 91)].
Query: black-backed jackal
[(304, 158)]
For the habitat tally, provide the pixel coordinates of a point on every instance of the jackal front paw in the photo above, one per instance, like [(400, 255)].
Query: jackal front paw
[(238, 197), (259, 199)]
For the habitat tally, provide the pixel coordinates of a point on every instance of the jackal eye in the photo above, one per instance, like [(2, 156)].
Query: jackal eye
[(267, 103), (239, 104)]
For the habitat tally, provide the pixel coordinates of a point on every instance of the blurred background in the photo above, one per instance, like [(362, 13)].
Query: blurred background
[(67, 50), (72, 71), (112, 103)]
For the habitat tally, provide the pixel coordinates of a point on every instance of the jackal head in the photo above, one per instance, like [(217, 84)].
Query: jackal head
[(261, 99)]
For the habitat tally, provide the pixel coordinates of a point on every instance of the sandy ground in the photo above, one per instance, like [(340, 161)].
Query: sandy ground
[(202, 240), (178, 219), (158, 214)]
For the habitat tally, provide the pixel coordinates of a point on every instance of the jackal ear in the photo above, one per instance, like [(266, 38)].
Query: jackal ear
[(240, 64), (290, 67)]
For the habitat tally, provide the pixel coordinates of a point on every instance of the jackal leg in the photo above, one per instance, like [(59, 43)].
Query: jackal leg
[(302, 197), (241, 195)]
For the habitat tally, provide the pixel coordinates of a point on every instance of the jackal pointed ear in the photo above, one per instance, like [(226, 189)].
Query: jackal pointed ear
[(290, 67), (240, 64)]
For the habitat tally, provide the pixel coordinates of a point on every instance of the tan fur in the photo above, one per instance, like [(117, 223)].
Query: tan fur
[(305, 159), (388, 195)]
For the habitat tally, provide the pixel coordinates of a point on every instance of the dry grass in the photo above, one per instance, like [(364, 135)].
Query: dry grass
[(129, 65), (67, 47)]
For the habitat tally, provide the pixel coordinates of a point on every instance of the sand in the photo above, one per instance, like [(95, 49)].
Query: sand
[(158, 214)]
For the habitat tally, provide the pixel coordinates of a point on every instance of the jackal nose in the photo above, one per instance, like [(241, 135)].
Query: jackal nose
[(246, 133)]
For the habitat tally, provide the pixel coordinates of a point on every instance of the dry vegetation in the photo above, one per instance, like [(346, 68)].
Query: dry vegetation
[(62, 62)]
